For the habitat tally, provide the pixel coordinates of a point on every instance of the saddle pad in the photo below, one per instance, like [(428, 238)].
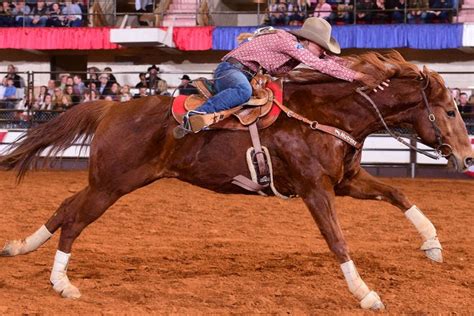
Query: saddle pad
[(232, 123)]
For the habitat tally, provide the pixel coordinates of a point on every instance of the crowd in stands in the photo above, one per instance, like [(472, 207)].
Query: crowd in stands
[(70, 90), (464, 101), (41, 13), (294, 12)]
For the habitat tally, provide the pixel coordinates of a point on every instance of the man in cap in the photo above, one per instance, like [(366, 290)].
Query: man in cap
[(186, 88), (277, 52)]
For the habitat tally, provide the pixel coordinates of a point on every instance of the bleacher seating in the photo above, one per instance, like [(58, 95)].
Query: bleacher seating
[(466, 13), (181, 13)]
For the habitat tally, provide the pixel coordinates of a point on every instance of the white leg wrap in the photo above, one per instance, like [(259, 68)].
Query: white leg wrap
[(59, 279), (357, 287), (29, 244), (421, 223), (368, 299), (431, 245)]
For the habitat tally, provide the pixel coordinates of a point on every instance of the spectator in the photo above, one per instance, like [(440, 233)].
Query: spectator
[(55, 17), (298, 12), (51, 86), (72, 14), (6, 15), (380, 16), (18, 81), (39, 100), (90, 95), (163, 88), (70, 97), (153, 79), (21, 12), (114, 91), (109, 98), (141, 93), (108, 71), (442, 15), (323, 10), (418, 11), (125, 94), (93, 86), (364, 15), (398, 16), (463, 106), (93, 76), (78, 85), (48, 102), (10, 94), (69, 81), (455, 92), (3, 87), (63, 81), (143, 82), (344, 13), (94, 96), (40, 14), (104, 87), (59, 100), (186, 88), (278, 13)]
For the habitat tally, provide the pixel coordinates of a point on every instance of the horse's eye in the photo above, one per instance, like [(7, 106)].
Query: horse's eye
[(451, 113)]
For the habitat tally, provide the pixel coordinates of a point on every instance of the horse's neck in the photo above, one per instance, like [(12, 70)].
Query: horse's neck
[(341, 106)]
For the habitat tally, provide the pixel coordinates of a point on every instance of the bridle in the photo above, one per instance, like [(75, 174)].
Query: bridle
[(442, 149)]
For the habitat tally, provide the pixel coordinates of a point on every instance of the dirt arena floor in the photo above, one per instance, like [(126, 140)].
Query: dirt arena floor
[(175, 248)]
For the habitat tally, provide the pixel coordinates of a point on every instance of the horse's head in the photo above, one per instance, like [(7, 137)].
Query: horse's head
[(439, 123)]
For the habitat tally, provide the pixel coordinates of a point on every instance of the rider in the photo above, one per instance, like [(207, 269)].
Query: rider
[(277, 52)]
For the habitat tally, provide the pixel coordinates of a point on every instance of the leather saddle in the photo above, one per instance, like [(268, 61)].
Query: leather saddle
[(257, 109)]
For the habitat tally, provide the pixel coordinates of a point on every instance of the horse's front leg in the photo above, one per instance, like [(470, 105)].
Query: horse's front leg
[(365, 186), (319, 197)]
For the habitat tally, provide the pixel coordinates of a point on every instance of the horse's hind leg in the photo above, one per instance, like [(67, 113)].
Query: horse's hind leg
[(82, 209), (38, 238), (365, 186), (86, 207)]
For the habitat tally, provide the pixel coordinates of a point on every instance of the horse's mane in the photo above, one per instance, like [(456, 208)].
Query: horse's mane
[(381, 66)]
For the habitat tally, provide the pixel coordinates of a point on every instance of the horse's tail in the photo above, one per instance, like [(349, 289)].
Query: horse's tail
[(74, 125)]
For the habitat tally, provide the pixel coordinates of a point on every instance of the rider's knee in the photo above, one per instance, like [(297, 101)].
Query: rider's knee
[(245, 92)]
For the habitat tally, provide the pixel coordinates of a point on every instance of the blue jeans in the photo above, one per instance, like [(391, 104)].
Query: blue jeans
[(232, 86)]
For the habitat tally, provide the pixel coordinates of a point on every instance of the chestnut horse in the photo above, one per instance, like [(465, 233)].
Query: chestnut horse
[(133, 146)]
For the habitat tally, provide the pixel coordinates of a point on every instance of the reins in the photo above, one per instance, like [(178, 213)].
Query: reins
[(398, 137)]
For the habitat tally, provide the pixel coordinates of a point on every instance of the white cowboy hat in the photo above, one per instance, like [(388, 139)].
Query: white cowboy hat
[(318, 30)]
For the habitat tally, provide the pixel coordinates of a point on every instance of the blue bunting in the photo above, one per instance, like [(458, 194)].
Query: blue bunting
[(421, 36)]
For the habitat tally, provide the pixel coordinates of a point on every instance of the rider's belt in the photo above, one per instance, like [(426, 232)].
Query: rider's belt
[(237, 64)]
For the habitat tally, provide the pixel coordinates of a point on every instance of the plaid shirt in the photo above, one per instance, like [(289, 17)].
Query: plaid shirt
[(280, 52)]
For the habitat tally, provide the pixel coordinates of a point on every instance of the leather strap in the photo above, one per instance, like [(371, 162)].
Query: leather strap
[(258, 152), (247, 184), (336, 132)]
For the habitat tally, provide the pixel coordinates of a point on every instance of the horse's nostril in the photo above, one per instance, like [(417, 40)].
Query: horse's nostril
[(469, 161)]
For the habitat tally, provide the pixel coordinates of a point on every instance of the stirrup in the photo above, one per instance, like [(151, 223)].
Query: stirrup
[(188, 126)]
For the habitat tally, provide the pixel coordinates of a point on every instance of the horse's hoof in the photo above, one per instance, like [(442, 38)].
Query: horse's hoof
[(71, 292), (372, 301), (11, 248), (435, 254)]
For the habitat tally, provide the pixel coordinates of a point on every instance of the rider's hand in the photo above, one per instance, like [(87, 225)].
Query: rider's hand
[(371, 82)]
